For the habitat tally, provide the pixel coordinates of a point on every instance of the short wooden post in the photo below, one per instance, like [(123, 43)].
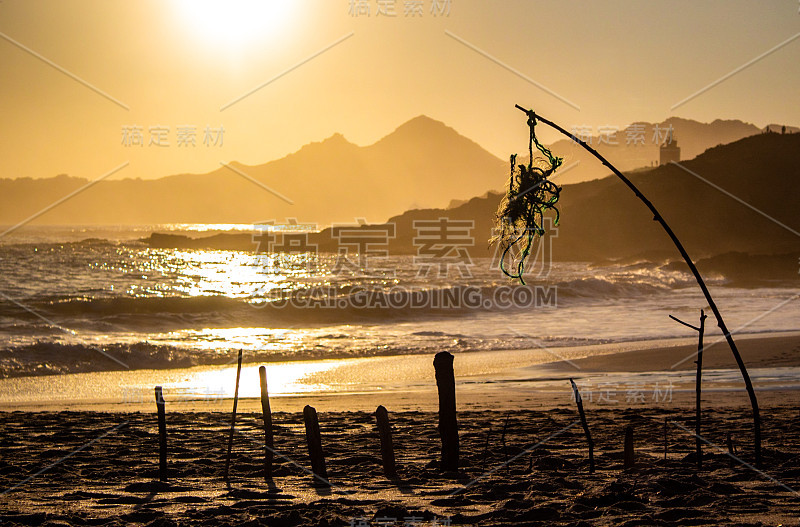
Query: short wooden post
[(579, 402), (233, 419), (448, 423), (269, 449), (387, 448), (314, 440), (162, 435), (628, 459)]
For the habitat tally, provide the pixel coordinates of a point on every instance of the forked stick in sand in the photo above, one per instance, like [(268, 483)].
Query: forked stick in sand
[(533, 119), (233, 420), (697, 384)]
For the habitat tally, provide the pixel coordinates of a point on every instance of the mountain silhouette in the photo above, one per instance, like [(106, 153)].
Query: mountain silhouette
[(733, 207), (602, 219), (422, 164)]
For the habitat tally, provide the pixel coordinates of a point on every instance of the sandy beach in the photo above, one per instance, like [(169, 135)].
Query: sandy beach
[(518, 468), (523, 456)]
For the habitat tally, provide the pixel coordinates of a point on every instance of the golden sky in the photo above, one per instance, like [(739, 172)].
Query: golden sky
[(75, 74)]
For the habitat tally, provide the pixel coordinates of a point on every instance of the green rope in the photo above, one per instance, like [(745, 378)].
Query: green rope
[(530, 195)]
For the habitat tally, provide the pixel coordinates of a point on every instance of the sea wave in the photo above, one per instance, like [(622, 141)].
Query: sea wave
[(43, 357), (316, 305)]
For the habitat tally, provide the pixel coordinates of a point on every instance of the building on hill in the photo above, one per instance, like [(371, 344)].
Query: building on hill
[(670, 151)]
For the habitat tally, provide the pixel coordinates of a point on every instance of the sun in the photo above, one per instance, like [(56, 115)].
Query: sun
[(235, 23)]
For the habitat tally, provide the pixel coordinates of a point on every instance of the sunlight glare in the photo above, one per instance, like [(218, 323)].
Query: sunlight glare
[(234, 23)]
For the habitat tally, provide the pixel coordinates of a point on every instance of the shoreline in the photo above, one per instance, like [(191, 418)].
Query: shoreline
[(486, 380)]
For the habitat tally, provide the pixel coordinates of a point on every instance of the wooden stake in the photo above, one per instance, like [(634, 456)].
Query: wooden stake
[(387, 448), (448, 423), (162, 435), (697, 387), (314, 440), (233, 419), (579, 402), (267, 413), (697, 442), (629, 460)]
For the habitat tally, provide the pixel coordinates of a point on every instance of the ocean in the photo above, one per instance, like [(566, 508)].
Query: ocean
[(93, 299)]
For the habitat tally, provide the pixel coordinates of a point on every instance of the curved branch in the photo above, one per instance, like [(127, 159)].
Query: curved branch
[(657, 217)]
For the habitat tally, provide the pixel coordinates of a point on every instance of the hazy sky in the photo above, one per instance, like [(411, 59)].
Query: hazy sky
[(174, 64)]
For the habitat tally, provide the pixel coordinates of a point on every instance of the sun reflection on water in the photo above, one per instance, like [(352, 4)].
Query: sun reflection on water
[(287, 378)]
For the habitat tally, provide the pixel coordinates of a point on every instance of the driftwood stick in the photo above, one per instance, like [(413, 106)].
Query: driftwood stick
[(579, 402), (233, 420), (448, 423), (387, 448), (162, 435), (700, 282), (266, 411)]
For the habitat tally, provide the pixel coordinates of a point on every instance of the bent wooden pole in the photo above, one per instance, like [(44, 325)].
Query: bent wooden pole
[(269, 448), (448, 423), (387, 448), (162, 435), (657, 217), (585, 426)]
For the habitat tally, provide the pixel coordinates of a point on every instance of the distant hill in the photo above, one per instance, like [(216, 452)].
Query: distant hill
[(637, 145), (423, 163), (602, 220)]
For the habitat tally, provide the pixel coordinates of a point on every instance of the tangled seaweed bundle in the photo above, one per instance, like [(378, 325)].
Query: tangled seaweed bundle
[(530, 194)]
